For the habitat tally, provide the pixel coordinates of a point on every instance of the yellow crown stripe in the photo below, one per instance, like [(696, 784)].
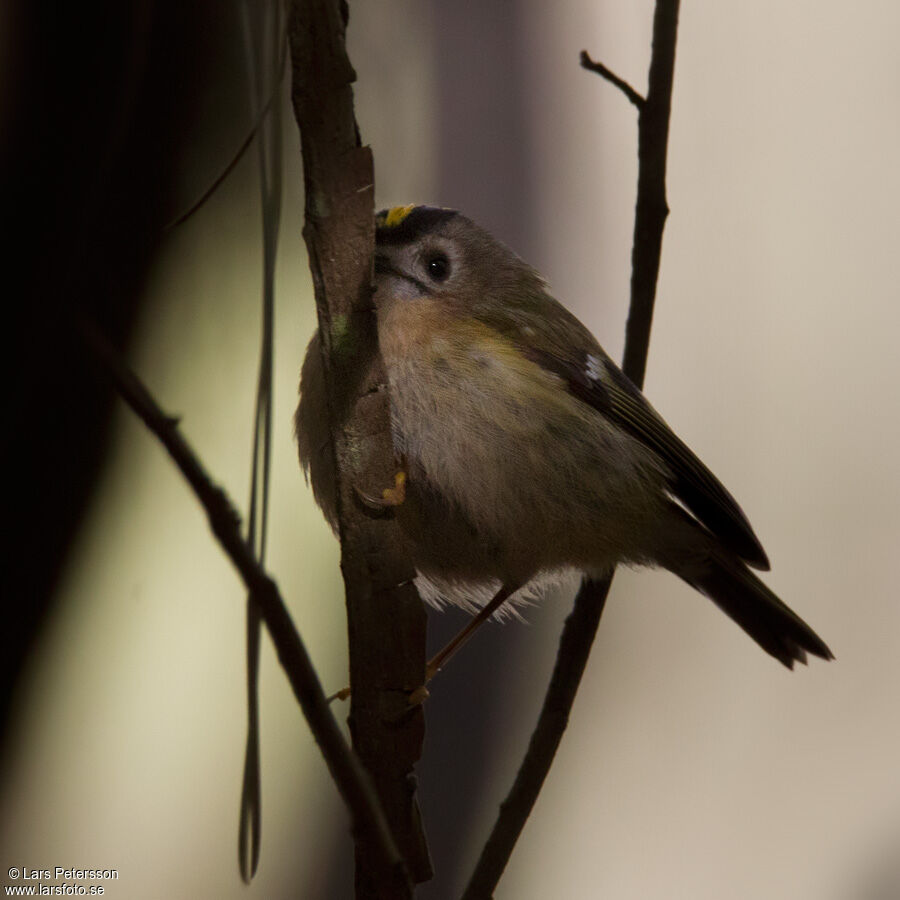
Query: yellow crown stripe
[(396, 214)]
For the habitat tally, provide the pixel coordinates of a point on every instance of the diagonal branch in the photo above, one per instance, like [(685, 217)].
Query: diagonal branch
[(574, 648), (581, 625), (351, 779)]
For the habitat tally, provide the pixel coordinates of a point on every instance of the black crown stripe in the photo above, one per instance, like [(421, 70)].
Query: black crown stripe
[(418, 221)]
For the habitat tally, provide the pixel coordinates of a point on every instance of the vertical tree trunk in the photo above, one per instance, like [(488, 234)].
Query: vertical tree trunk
[(386, 621)]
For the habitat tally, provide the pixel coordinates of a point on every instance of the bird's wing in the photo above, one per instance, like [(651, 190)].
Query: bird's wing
[(595, 379)]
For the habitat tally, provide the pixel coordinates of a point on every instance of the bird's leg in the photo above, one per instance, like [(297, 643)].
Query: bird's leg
[(442, 657)]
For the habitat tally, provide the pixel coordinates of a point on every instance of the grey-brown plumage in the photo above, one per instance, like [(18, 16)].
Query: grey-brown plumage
[(528, 452)]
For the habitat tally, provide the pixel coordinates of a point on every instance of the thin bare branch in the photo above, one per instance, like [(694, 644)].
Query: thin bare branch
[(350, 777), (238, 156), (581, 626), (598, 67), (652, 209), (265, 42)]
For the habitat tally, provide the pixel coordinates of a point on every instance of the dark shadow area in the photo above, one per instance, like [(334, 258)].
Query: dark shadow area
[(96, 111)]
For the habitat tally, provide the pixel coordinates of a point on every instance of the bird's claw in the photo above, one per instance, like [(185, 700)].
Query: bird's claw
[(390, 497)]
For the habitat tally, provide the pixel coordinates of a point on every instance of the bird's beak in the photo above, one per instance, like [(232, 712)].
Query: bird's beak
[(384, 265)]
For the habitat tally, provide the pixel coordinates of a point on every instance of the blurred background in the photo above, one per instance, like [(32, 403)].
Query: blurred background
[(694, 765)]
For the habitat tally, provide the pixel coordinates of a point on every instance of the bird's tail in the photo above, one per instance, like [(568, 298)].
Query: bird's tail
[(727, 581), (745, 599)]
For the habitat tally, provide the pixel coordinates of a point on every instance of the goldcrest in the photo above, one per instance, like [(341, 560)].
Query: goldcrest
[(527, 453)]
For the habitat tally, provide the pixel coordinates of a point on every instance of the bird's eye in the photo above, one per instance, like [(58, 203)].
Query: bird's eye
[(438, 266)]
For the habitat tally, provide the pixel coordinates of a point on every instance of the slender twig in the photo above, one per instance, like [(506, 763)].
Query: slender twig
[(265, 39), (651, 209), (598, 67), (239, 153), (581, 626), (349, 776)]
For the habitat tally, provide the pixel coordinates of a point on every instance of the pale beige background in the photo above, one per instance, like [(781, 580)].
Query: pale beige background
[(694, 767)]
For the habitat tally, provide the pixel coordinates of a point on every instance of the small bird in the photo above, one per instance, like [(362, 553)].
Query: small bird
[(526, 452)]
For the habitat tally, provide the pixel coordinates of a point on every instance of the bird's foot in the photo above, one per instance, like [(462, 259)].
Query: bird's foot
[(390, 497)]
